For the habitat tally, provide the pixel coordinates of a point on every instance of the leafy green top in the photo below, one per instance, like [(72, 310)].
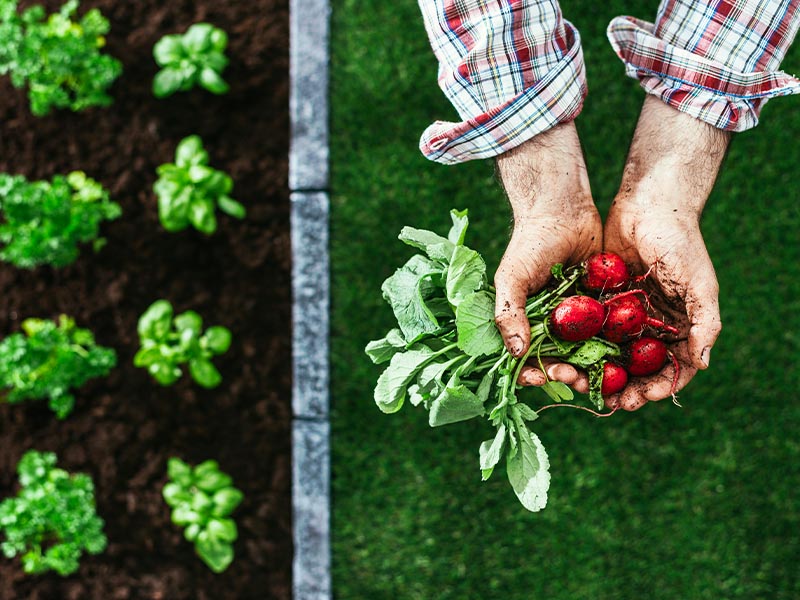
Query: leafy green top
[(189, 190), (167, 343), (448, 355), (45, 221), (49, 360), (57, 57), (202, 499), (196, 57), (52, 520)]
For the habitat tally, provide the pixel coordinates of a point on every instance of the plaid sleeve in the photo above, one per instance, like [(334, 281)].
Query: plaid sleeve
[(512, 69), (716, 60)]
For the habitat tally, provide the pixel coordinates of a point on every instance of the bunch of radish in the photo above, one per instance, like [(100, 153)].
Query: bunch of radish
[(619, 314)]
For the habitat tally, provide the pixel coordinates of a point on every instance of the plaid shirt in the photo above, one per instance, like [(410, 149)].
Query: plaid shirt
[(514, 68)]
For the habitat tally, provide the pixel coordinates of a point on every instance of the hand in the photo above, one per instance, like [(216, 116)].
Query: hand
[(654, 225), (555, 221)]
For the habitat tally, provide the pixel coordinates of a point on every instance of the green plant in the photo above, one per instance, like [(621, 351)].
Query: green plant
[(196, 57), (168, 342), (43, 222), (57, 57), (49, 360), (189, 190), (52, 520), (202, 499)]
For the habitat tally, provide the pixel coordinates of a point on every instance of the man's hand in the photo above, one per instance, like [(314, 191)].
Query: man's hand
[(654, 225), (555, 221)]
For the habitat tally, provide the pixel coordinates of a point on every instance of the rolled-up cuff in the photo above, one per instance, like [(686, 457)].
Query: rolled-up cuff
[(704, 89), (555, 98)]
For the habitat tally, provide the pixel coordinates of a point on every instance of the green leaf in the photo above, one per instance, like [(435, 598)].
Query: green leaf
[(168, 50), (529, 471), (167, 81), (179, 472), (184, 515), (156, 321), (218, 339), (491, 451), (231, 207), (524, 411), (404, 291), (391, 389), (455, 403), (202, 216), (477, 333), (190, 152), (175, 494), (225, 501), (465, 275), (198, 37), (204, 372), (164, 373), (189, 321), (217, 554), (459, 229), (596, 385), (434, 245), (222, 529), (379, 351), (212, 81), (592, 351), (485, 386), (558, 391), (209, 478)]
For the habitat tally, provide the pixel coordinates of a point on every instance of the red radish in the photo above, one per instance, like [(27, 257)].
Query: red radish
[(626, 318), (647, 355), (605, 271), (577, 318), (615, 378)]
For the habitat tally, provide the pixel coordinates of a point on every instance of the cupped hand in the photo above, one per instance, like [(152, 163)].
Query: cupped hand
[(555, 221)]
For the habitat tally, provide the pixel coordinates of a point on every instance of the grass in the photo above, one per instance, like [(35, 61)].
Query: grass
[(665, 503)]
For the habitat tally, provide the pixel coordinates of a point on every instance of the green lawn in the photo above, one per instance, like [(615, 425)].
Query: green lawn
[(665, 503)]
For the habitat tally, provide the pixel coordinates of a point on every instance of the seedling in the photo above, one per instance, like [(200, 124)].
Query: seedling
[(48, 360), (202, 499), (52, 521), (45, 221), (168, 341), (57, 57), (194, 58), (189, 191)]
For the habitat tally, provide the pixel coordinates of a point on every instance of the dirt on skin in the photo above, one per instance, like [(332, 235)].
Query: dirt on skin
[(124, 427)]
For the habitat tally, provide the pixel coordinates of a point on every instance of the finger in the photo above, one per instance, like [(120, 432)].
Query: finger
[(563, 372), (660, 385), (531, 376), (702, 308)]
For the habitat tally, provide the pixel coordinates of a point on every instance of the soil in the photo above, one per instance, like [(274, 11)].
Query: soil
[(125, 426)]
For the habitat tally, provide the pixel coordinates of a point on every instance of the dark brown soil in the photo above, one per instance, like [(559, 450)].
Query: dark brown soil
[(125, 427)]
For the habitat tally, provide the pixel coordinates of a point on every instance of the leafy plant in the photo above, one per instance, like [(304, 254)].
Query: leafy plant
[(45, 221), (168, 342), (49, 360), (202, 499), (189, 190), (448, 355), (196, 57), (58, 58), (52, 520)]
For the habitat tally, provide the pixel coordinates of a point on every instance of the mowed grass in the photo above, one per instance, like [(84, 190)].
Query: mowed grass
[(699, 502)]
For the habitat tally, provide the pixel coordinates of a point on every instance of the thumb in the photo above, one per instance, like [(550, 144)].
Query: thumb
[(702, 308)]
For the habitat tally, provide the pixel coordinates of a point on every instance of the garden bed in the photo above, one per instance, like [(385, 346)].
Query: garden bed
[(125, 427)]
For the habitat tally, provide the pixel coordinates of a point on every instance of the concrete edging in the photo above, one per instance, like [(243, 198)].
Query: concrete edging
[(308, 183)]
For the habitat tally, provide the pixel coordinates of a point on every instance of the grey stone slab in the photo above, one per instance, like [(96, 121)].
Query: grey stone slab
[(308, 95), (311, 288), (311, 501)]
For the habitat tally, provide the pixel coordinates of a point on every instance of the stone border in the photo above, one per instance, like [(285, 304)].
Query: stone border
[(308, 183)]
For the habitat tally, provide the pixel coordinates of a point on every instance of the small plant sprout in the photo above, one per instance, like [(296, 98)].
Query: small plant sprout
[(189, 191), (58, 58), (49, 360), (194, 58), (168, 341), (202, 499), (52, 521), (44, 222)]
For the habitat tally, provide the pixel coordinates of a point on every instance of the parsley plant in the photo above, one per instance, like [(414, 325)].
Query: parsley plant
[(49, 360), (189, 190), (43, 222), (52, 520), (168, 342), (58, 58), (196, 57), (202, 499)]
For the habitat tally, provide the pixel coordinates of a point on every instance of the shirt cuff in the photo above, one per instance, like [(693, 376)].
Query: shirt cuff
[(556, 98), (705, 89)]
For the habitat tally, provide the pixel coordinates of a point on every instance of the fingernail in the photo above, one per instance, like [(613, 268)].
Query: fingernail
[(705, 355), (514, 345)]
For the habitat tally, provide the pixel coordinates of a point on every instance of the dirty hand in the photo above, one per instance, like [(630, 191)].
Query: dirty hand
[(555, 221), (654, 224)]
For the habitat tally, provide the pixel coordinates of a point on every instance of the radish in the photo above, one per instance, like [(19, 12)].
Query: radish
[(577, 318), (626, 318), (647, 355), (615, 378), (605, 271)]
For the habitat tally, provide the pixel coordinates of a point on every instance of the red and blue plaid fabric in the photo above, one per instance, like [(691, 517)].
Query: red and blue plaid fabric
[(514, 68), (511, 68), (716, 60)]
